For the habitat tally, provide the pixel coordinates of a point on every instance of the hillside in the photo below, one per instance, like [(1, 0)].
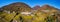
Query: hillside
[(18, 6)]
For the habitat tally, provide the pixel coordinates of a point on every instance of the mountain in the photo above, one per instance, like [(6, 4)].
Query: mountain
[(18, 6), (47, 7), (36, 7)]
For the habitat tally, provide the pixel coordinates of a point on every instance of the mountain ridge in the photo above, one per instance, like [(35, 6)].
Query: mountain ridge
[(20, 6)]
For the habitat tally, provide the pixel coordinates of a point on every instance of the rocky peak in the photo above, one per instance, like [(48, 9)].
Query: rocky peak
[(36, 7)]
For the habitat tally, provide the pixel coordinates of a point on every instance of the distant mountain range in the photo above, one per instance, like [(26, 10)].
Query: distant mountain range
[(19, 6)]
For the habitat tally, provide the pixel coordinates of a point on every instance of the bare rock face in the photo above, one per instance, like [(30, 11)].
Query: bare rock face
[(18, 6)]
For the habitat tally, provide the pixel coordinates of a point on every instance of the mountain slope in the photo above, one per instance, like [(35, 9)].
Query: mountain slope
[(47, 7), (18, 6)]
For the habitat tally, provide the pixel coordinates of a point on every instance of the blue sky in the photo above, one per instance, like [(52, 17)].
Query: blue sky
[(32, 3)]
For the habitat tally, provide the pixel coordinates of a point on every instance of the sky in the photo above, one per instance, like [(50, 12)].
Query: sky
[(32, 3)]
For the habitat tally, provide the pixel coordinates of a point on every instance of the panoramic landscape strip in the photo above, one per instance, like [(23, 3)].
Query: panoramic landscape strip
[(21, 12)]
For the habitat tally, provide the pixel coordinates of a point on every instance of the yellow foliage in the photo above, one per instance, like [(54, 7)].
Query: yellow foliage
[(9, 17)]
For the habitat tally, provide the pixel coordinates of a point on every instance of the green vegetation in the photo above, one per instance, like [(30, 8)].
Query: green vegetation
[(9, 17)]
